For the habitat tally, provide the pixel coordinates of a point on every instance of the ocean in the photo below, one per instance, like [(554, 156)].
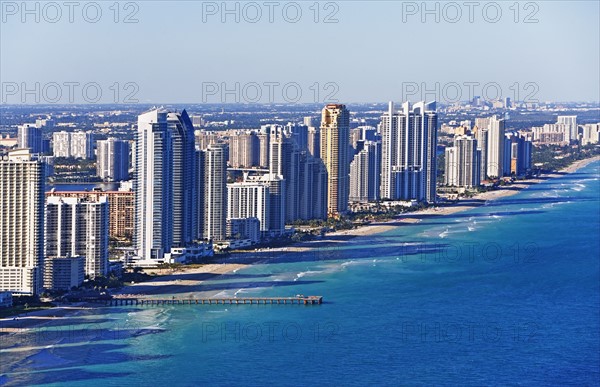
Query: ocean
[(503, 294)]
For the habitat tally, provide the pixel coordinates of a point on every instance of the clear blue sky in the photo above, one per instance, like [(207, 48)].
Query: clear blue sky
[(369, 53)]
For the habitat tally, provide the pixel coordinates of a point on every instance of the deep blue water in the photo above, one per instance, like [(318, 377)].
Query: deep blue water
[(503, 294)]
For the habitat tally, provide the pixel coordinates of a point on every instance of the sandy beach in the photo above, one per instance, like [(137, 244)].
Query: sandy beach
[(463, 204), (186, 282)]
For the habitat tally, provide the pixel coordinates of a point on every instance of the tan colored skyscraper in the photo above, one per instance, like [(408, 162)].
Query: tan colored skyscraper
[(335, 153)]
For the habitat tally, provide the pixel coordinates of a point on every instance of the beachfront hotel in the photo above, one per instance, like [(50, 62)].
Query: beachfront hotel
[(21, 222)]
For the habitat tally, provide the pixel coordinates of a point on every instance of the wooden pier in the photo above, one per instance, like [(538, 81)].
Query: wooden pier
[(309, 300)]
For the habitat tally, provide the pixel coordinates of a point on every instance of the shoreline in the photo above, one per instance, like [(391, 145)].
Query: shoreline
[(188, 282), (462, 204)]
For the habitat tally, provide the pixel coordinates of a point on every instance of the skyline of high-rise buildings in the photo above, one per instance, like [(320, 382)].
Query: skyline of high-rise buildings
[(186, 192)]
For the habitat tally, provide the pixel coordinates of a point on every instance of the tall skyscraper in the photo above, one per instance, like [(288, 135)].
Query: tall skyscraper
[(153, 186), (21, 223), (29, 136), (249, 200), (73, 144), (314, 142), (215, 192), (495, 145), (481, 135), (463, 163), (244, 150), (451, 168), (112, 161), (285, 162), (409, 144), (264, 145), (121, 204), (197, 121), (184, 207), (391, 148), (571, 121), (312, 195), (299, 135), (590, 134), (204, 139), (335, 153), (365, 173), (517, 154), (78, 227), (277, 197), (82, 145), (61, 144)]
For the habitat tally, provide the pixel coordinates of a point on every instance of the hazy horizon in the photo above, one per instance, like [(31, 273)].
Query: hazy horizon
[(347, 51)]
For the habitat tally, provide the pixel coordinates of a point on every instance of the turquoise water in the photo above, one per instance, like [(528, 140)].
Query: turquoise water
[(503, 294)]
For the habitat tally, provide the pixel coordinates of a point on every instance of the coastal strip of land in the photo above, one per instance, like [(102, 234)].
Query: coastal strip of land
[(187, 282)]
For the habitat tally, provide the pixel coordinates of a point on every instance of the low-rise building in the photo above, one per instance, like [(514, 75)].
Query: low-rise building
[(244, 228), (63, 273)]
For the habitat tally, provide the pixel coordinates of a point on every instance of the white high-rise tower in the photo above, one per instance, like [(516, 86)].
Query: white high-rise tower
[(153, 186), (112, 159), (78, 227), (21, 223), (215, 192), (409, 143)]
